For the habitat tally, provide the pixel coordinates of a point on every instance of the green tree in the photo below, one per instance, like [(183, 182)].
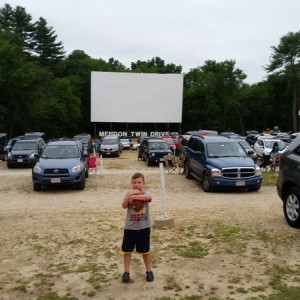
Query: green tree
[(48, 50), (20, 22), (211, 96), (285, 61), (155, 65)]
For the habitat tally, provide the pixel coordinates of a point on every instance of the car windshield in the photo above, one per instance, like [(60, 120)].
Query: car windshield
[(61, 151), (245, 144), (158, 146), (269, 144), (25, 146), (225, 150), (110, 142)]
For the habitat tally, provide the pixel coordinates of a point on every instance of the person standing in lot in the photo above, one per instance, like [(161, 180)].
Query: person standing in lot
[(137, 225)]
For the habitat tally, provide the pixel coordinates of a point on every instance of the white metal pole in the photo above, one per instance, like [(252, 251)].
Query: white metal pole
[(101, 165), (163, 191)]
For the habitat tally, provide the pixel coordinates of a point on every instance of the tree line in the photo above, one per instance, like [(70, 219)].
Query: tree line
[(43, 89)]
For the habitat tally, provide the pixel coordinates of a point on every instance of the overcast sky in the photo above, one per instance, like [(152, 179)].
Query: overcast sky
[(182, 32)]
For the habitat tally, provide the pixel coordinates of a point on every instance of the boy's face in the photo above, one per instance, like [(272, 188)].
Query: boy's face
[(137, 183)]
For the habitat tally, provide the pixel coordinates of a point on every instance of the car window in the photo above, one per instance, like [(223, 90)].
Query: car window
[(25, 146), (110, 141)]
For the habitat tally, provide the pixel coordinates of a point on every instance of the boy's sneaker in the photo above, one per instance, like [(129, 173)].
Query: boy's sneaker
[(149, 276), (126, 277)]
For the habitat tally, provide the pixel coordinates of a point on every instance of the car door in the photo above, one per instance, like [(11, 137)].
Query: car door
[(197, 157)]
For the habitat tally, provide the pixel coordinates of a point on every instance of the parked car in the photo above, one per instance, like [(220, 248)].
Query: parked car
[(264, 146), (24, 151), (203, 132), (154, 149), (220, 163), (61, 163), (288, 184), (8, 147), (171, 142), (110, 146), (86, 140), (125, 143), (247, 148)]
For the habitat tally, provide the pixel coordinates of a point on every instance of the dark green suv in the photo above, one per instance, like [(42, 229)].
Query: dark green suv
[(288, 184)]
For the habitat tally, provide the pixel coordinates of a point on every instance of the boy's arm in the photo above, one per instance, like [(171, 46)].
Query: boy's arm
[(132, 196)]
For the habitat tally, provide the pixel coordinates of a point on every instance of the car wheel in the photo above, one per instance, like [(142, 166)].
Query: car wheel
[(37, 187), (187, 171), (291, 207), (205, 183), (81, 185), (9, 166)]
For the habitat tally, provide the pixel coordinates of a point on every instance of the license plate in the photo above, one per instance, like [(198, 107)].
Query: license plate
[(240, 183), (55, 180), (107, 153), (20, 160)]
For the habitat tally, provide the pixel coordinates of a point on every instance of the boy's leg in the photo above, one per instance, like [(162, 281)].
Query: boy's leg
[(127, 259), (147, 262)]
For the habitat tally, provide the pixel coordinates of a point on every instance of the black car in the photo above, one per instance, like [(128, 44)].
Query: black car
[(153, 150), (8, 147), (24, 151), (288, 184), (61, 163)]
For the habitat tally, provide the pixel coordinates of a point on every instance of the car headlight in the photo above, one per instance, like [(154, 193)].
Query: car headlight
[(31, 155), (216, 173), (77, 168), (257, 171), (9, 154), (37, 169)]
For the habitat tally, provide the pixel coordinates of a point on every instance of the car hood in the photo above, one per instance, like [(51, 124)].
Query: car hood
[(51, 163), (231, 162)]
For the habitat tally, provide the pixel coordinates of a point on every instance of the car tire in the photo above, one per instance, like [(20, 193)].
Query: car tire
[(205, 183), (81, 185), (187, 171), (37, 187), (291, 207)]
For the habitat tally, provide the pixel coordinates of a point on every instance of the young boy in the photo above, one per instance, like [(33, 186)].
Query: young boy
[(137, 225)]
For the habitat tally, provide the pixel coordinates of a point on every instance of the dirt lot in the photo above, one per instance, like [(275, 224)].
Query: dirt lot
[(64, 243)]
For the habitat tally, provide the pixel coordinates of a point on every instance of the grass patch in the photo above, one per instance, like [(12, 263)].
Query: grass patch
[(269, 178)]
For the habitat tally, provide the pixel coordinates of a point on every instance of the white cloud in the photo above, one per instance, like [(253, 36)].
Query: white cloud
[(183, 32)]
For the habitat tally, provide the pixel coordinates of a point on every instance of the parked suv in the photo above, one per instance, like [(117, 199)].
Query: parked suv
[(23, 152), (219, 162), (110, 145), (62, 162), (288, 184), (153, 150)]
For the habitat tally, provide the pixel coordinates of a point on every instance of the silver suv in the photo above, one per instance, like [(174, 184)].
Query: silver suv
[(110, 146), (288, 184)]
